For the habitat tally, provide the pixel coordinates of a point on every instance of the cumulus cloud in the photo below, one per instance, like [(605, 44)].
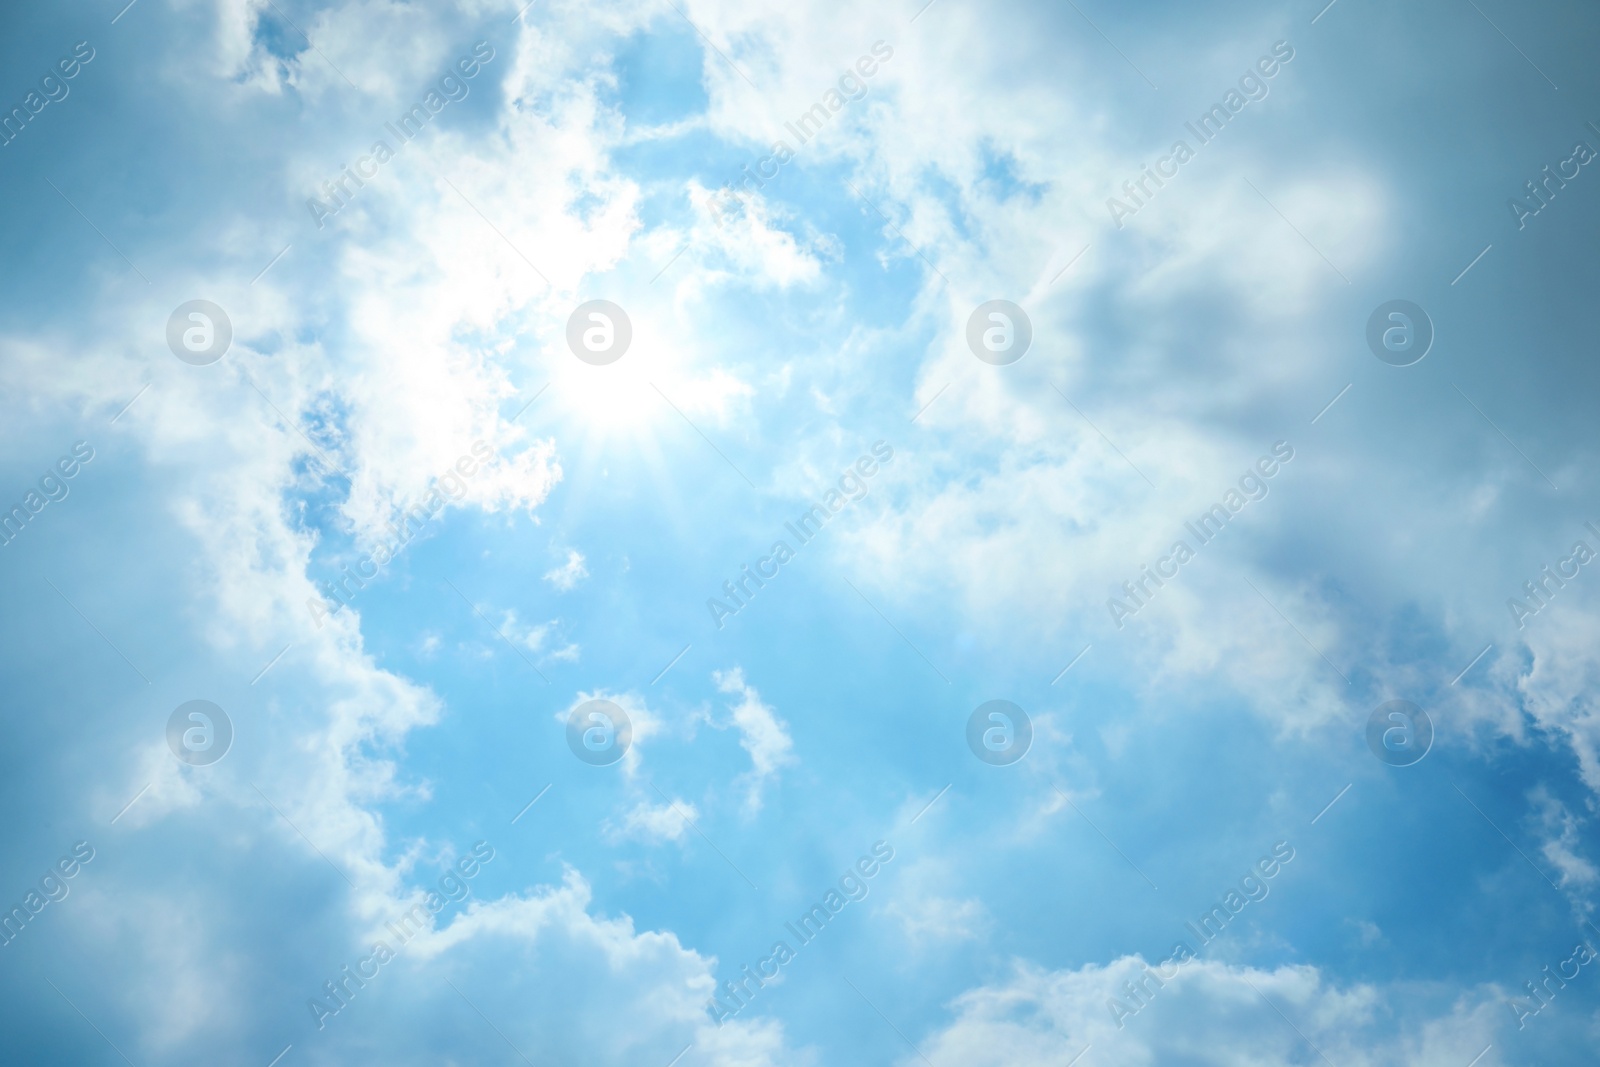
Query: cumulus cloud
[(369, 384), (650, 978), (1210, 1013), (383, 366)]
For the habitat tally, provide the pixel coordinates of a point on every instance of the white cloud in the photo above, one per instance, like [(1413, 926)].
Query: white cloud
[(1559, 680), (543, 638), (569, 574), (645, 723), (655, 822), (717, 396), (762, 733), (1210, 1013), (417, 325), (550, 951), (748, 246), (391, 340), (936, 918), (1563, 837), (1367, 932)]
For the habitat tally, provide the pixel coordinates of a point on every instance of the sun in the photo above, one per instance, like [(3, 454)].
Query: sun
[(611, 401)]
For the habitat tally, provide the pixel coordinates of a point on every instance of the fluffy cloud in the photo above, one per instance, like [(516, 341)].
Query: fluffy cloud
[(385, 348), (1558, 680), (552, 942), (1211, 1013)]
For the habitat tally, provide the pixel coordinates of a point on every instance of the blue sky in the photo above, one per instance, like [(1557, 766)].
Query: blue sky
[(778, 338)]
